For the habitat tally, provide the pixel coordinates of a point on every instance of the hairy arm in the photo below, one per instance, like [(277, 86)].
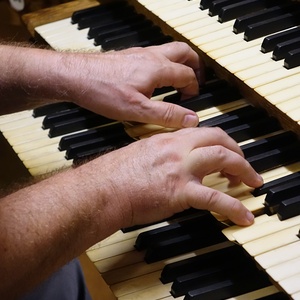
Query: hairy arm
[(47, 224), (117, 84)]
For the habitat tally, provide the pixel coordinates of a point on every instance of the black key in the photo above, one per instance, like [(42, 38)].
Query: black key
[(64, 115), (280, 193), (229, 287), (204, 4), (274, 183), (281, 49), (107, 16), (206, 100), (240, 8), (242, 22), (292, 59), (162, 90), (213, 273), (253, 129), (257, 30), (183, 284), (107, 26), (154, 40), (100, 137), (217, 5), (189, 213), (74, 138), (76, 124), (289, 208), (234, 118), (270, 42), (277, 296), (193, 235), (52, 108), (213, 84), (212, 258), (268, 143), (82, 157), (101, 37), (99, 145), (182, 244), (275, 158), (130, 39), (77, 15), (147, 238)]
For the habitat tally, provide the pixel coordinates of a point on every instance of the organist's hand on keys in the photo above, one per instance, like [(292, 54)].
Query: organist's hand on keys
[(117, 84), (167, 171), (148, 180)]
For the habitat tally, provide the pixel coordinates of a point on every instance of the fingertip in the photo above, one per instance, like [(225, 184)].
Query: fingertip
[(190, 120), (249, 218), (245, 220), (259, 180)]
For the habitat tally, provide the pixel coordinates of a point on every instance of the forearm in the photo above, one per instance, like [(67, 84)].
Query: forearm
[(48, 224), (29, 77)]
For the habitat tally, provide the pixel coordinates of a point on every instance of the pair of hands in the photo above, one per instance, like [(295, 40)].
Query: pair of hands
[(162, 175)]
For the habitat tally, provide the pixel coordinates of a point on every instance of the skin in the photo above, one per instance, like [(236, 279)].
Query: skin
[(55, 220), (125, 85)]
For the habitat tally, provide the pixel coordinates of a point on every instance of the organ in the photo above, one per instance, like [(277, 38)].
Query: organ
[(254, 79)]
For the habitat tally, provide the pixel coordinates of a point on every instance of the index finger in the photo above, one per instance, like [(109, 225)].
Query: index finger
[(182, 53)]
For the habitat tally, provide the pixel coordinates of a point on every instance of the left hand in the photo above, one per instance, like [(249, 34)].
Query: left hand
[(119, 84)]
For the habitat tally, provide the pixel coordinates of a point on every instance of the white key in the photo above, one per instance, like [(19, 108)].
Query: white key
[(294, 114), (189, 14), (285, 270), (272, 241), (257, 70), (279, 255), (197, 27), (276, 86), (155, 6), (291, 285), (10, 118), (289, 105), (216, 32), (296, 296), (56, 26), (49, 167), (238, 52), (270, 290), (185, 19), (230, 231), (284, 96), (176, 12), (261, 230)]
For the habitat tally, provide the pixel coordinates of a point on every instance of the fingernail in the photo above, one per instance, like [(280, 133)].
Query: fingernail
[(260, 178), (250, 217), (190, 121)]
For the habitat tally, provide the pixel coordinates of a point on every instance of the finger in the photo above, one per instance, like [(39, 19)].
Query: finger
[(182, 78), (164, 114), (201, 197), (220, 159), (182, 53), (209, 136)]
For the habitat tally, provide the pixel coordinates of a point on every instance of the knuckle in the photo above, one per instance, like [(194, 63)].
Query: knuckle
[(168, 114), (212, 199)]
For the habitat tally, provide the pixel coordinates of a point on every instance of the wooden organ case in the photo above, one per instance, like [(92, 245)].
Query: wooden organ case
[(264, 258)]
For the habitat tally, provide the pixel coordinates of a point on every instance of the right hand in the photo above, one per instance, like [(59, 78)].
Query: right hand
[(155, 178)]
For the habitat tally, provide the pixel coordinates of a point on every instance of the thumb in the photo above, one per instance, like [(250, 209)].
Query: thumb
[(169, 115), (202, 197)]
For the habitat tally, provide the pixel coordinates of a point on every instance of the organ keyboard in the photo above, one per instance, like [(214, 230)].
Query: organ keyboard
[(266, 83)]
